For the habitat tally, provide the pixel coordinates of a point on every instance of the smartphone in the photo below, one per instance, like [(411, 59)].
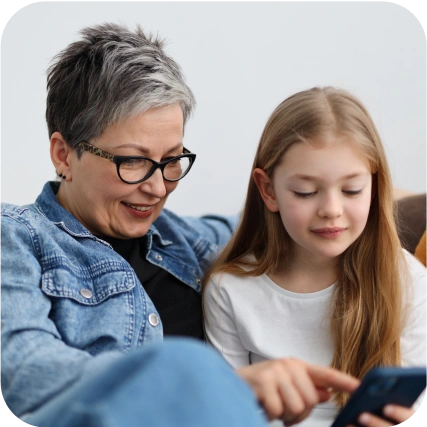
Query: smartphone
[(380, 386)]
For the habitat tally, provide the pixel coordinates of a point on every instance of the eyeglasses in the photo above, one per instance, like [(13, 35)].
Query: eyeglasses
[(136, 169)]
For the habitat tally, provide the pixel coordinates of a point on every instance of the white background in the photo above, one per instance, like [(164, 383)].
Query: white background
[(240, 59)]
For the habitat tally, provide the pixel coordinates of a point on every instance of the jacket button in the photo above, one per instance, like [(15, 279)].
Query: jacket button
[(86, 293), (153, 319), (159, 257)]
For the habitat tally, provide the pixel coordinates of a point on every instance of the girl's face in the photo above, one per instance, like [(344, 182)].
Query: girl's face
[(322, 191)]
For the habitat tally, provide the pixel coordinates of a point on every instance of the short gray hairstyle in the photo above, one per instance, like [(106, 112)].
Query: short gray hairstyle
[(108, 76)]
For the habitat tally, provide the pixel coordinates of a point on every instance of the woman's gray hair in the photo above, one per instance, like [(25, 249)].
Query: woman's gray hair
[(108, 76)]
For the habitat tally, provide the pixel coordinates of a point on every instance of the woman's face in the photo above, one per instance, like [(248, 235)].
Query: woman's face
[(93, 191)]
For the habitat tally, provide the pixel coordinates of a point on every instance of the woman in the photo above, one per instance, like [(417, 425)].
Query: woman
[(76, 320)]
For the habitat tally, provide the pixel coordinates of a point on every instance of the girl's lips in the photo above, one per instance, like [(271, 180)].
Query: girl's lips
[(328, 229), (328, 233)]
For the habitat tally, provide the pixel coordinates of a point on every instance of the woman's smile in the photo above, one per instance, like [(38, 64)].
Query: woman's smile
[(139, 211)]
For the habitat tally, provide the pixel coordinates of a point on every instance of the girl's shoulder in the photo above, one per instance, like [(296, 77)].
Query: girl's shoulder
[(228, 279), (414, 280), (415, 268), (234, 271), (234, 279)]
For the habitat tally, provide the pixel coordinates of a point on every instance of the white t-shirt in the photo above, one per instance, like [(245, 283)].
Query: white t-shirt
[(250, 319)]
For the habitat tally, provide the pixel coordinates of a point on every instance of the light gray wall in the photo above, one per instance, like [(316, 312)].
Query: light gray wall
[(241, 59)]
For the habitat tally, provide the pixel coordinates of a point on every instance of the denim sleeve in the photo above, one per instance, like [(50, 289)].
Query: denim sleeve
[(36, 364), (214, 228)]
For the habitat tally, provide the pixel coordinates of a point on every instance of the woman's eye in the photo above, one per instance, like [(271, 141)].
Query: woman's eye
[(304, 195), (352, 192), (134, 163), (174, 163)]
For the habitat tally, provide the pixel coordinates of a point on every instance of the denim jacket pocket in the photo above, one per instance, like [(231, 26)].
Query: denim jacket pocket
[(93, 310), (87, 289)]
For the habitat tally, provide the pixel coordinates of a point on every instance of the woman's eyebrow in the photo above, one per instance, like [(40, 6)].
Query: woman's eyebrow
[(146, 151)]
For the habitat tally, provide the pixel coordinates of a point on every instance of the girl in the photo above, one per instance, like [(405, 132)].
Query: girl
[(315, 269)]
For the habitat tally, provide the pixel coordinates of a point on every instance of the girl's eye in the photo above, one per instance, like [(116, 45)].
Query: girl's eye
[(304, 195), (352, 192)]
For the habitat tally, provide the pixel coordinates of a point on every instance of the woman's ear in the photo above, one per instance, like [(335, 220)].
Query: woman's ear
[(265, 188), (60, 155)]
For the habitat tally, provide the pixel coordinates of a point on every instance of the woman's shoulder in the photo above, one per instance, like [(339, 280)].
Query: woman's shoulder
[(11, 209), (25, 215)]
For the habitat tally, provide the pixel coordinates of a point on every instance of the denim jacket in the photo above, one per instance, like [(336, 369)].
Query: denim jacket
[(70, 303)]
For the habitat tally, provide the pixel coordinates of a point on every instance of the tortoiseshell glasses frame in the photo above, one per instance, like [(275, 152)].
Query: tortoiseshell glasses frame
[(136, 169)]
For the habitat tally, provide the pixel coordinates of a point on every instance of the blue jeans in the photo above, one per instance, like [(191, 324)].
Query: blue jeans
[(179, 382)]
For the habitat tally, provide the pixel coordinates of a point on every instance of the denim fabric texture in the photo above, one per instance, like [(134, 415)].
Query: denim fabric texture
[(180, 382), (70, 304)]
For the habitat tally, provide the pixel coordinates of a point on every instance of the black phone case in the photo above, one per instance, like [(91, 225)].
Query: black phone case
[(381, 386)]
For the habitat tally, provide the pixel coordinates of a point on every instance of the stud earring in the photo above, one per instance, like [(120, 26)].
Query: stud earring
[(60, 175)]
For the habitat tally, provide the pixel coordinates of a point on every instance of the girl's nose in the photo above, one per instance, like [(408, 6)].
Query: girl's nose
[(331, 206)]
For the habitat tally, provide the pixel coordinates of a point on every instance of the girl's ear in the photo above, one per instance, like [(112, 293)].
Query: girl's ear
[(266, 190)]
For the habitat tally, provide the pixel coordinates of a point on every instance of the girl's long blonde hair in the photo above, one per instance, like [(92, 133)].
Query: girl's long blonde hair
[(366, 317)]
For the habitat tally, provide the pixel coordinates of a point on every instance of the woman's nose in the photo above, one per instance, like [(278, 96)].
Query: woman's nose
[(155, 185)]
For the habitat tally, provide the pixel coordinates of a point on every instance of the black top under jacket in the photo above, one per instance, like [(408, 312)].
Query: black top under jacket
[(179, 306)]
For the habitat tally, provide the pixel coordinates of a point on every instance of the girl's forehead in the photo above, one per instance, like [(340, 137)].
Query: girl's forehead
[(331, 157), (331, 139), (329, 142)]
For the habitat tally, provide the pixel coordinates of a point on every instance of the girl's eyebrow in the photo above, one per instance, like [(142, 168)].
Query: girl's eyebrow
[(304, 177)]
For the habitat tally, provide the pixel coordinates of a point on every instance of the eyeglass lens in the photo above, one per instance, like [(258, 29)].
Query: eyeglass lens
[(136, 169)]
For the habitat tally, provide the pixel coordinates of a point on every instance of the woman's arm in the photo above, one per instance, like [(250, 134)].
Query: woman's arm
[(36, 363)]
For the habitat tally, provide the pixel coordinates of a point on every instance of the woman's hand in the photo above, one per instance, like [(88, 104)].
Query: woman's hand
[(392, 412), (290, 388)]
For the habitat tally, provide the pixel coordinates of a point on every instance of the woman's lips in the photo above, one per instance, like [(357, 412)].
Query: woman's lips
[(329, 233), (139, 211)]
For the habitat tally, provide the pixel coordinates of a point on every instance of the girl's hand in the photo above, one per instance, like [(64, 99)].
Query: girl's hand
[(392, 412), (289, 388)]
